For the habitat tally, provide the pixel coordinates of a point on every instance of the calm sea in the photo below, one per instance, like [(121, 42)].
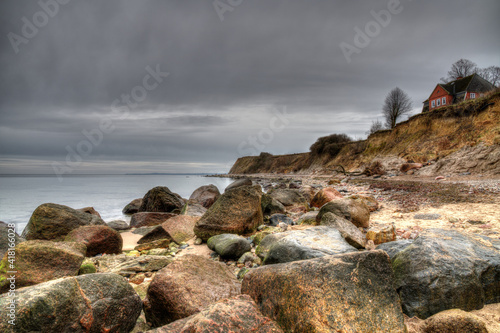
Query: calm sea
[(108, 194)]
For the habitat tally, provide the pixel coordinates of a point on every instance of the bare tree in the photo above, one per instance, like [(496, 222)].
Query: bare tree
[(491, 74), (376, 126), (459, 69), (396, 104)]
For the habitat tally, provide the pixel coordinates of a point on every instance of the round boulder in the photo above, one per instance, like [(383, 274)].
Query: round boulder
[(132, 207), (98, 239), (352, 210), (229, 246), (205, 195), (161, 199)]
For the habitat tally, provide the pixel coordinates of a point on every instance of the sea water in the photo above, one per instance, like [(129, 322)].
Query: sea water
[(20, 195)]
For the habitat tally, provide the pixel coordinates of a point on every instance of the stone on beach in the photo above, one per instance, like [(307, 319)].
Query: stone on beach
[(444, 269), (148, 219), (86, 303), (229, 246), (348, 230), (186, 287), (38, 261), (324, 196), (352, 210), (178, 229), (238, 314), (161, 199), (296, 245), (238, 183), (205, 195), (237, 211), (53, 222), (99, 239), (351, 292)]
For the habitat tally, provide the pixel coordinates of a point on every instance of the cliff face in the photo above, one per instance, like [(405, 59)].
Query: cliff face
[(440, 135)]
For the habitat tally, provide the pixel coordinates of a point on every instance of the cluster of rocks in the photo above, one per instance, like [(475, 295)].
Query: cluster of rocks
[(296, 258)]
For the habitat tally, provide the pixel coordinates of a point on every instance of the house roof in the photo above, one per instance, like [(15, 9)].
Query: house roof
[(474, 83)]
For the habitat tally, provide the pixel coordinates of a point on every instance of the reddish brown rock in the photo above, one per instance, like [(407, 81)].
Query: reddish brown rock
[(350, 292), (186, 287), (178, 229), (237, 211), (98, 239), (146, 219), (205, 195), (38, 261), (236, 315), (324, 196)]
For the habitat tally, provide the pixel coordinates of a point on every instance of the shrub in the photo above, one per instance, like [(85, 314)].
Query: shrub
[(331, 144)]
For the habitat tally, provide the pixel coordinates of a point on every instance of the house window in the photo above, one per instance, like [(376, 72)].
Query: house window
[(433, 104), (444, 101), (438, 102), (472, 95)]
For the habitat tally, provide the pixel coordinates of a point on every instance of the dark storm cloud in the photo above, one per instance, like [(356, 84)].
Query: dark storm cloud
[(225, 77)]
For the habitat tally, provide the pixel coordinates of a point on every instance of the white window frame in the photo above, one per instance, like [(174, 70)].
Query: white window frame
[(472, 95), (433, 103), (438, 102)]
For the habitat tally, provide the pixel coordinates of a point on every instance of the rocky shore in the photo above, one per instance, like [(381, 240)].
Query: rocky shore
[(271, 253)]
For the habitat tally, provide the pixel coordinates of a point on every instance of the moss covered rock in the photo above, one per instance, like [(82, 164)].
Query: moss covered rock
[(37, 261), (161, 199), (53, 222), (229, 246)]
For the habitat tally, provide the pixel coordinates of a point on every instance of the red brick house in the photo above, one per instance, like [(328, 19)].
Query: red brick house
[(469, 87)]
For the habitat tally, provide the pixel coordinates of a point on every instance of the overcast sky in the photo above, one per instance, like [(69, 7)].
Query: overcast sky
[(84, 84)]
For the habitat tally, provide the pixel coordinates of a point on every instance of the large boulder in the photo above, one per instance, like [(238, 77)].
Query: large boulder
[(86, 303), (53, 222), (288, 197), (186, 287), (444, 269), (324, 196), (38, 261), (352, 210), (99, 239), (238, 314), (229, 246), (296, 245), (237, 211), (238, 183), (161, 199), (369, 200), (351, 292), (205, 195), (147, 219), (8, 237), (132, 207), (177, 229), (350, 233)]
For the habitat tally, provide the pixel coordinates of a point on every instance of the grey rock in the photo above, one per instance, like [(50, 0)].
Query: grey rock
[(427, 216), (238, 183), (348, 230), (303, 244), (118, 225), (393, 248), (229, 246), (276, 219), (444, 269)]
